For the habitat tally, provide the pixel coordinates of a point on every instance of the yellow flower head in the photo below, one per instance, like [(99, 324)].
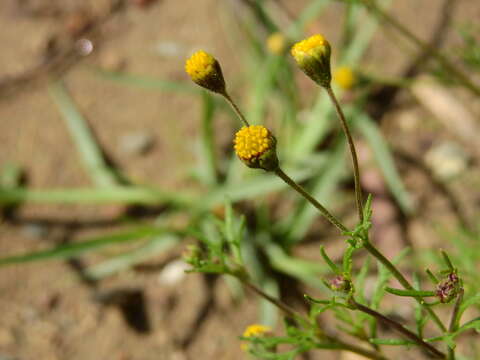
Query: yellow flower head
[(345, 77), (276, 43), (205, 71), (256, 147), (256, 330), (313, 57)]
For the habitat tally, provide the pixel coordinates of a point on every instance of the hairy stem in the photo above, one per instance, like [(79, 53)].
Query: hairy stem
[(353, 152), (279, 172), (399, 327)]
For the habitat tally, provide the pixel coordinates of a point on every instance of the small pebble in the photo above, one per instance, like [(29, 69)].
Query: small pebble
[(84, 47), (173, 272), (447, 160), (33, 230), (170, 49), (138, 143)]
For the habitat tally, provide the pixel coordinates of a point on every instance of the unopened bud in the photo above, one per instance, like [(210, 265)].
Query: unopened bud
[(204, 70), (313, 57), (341, 284), (448, 288)]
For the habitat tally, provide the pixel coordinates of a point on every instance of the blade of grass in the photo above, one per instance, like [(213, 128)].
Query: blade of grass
[(147, 82), (75, 249), (90, 153), (157, 245), (111, 195), (207, 159), (303, 270), (385, 161), (308, 14), (263, 81)]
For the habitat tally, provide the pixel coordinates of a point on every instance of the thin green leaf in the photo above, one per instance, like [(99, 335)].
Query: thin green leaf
[(148, 82), (472, 324), (385, 160), (347, 259), (447, 261), (262, 87), (432, 277), (409, 293), (90, 152), (329, 262), (110, 195), (207, 157), (360, 280), (391, 342), (157, 245), (472, 300), (75, 249), (310, 12)]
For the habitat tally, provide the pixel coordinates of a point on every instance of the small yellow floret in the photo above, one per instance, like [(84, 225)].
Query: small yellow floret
[(276, 43), (345, 77), (200, 65), (309, 45), (256, 330), (252, 141)]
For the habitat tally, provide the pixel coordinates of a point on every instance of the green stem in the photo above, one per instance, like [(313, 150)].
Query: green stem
[(282, 306), (279, 172), (334, 341), (399, 327), (356, 349), (442, 59), (454, 321), (402, 280), (353, 152), (236, 109)]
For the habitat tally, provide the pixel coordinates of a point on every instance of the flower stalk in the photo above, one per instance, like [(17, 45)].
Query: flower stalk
[(353, 152)]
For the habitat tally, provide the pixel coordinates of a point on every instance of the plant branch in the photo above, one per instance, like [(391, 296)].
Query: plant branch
[(402, 280), (399, 327), (356, 349), (293, 314)]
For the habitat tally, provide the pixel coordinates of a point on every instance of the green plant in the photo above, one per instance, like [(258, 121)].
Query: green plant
[(258, 254), (256, 147)]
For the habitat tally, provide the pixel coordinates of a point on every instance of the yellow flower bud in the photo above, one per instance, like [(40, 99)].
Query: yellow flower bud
[(204, 70), (313, 57), (255, 330), (345, 77), (256, 147), (276, 43)]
